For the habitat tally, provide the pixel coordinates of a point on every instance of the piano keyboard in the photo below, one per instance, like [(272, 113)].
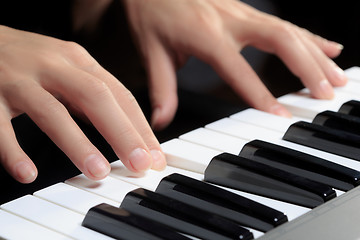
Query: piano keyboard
[(58, 211)]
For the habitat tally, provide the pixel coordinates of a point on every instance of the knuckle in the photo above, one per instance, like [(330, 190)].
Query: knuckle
[(47, 60), (123, 93), (69, 46), (78, 55), (96, 90), (129, 96), (286, 30)]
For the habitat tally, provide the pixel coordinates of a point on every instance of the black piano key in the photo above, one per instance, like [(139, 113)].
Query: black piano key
[(182, 217), (219, 201), (308, 166), (337, 120), (351, 108), (324, 138), (122, 224), (247, 175)]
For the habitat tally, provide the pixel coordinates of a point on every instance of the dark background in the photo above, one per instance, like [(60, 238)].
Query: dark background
[(198, 104)]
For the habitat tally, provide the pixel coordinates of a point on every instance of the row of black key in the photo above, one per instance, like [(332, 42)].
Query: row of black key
[(188, 206), (291, 176), (334, 132), (181, 204)]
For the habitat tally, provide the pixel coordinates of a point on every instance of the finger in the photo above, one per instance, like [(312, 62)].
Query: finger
[(330, 48), (162, 84), (96, 100), (334, 74), (133, 111), (13, 158), (235, 70), (296, 56), (53, 118)]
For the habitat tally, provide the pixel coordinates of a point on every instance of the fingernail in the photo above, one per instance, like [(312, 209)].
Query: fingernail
[(97, 166), (159, 161), (140, 160), (339, 74), (337, 45), (280, 110), (25, 172), (326, 89)]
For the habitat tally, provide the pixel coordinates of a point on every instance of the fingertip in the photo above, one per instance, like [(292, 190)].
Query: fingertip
[(25, 172), (325, 90), (155, 116), (159, 160), (280, 110), (164, 114), (337, 45), (339, 77), (97, 167), (159, 119), (334, 49), (139, 160)]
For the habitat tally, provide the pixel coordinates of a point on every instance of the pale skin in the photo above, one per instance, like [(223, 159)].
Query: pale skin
[(46, 77)]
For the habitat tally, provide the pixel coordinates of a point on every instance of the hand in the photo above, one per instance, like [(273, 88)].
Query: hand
[(41, 76), (167, 32)]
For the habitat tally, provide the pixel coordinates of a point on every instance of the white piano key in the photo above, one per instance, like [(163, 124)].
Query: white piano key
[(243, 130), (149, 179), (52, 216), (109, 187), (303, 105), (64, 195), (215, 140), (17, 228), (189, 156), (351, 87), (266, 120), (353, 73)]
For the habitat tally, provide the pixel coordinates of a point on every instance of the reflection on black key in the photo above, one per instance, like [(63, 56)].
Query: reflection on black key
[(340, 121), (247, 175), (351, 108), (182, 217), (219, 201), (324, 138), (302, 164), (122, 224)]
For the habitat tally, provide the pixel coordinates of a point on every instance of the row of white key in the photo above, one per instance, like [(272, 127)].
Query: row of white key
[(57, 211), (301, 104)]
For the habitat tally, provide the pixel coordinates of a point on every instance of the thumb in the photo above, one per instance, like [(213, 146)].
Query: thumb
[(162, 86)]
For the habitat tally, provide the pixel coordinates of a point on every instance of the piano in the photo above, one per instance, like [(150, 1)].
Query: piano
[(75, 208)]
